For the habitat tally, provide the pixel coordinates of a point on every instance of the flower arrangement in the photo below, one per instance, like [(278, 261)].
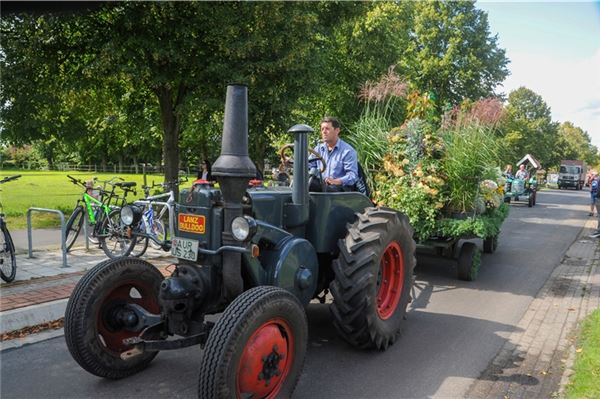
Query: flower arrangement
[(444, 179), (411, 178)]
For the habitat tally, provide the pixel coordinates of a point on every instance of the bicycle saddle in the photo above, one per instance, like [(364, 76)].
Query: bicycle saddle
[(126, 184)]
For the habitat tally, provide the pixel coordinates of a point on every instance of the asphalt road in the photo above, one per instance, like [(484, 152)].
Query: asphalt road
[(454, 328)]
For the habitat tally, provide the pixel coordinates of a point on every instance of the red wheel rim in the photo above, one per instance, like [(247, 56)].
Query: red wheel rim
[(266, 360), (391, 280), (127, 293)]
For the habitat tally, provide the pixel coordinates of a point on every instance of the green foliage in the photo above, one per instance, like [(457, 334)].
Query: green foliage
[(483, 226), (368, 136), (383, 107), (574, 143), (472, 153), (451, 53), (528, 128), (27, 156), (584, 382), (411, 179), (139, 80)]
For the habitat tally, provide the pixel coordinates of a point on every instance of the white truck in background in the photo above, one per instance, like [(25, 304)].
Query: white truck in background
[(572, 173)]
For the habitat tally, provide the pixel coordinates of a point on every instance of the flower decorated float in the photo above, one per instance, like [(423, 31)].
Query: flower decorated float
[(447, 183), (443, 174)]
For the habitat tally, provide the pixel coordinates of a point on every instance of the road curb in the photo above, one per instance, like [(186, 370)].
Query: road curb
[(16, 319)]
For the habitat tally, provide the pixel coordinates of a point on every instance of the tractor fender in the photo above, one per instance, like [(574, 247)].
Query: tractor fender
[(293, 265)]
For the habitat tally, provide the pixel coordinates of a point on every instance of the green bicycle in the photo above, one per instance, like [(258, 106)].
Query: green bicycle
[(103, 216)]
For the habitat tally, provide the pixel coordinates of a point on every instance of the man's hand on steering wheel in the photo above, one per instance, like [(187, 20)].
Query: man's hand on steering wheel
[(288, 160), (333, 182)]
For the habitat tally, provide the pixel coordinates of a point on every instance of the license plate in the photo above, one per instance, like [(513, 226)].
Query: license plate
[(184, 248)]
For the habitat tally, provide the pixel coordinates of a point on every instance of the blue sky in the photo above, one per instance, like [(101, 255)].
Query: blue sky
[(554, 49)]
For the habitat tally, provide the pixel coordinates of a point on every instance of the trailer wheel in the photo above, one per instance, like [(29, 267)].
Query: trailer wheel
[(469, 262), (490, 244), (93, 330), (257, 348), (373, 278)]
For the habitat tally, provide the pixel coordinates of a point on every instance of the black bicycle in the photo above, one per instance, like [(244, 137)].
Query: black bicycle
[(8, 261)]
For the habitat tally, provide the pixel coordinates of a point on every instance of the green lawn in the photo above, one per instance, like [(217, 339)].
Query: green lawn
[(49, 189), (585, 382)]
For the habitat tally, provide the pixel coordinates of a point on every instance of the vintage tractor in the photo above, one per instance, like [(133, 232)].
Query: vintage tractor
[(259, 255), (520, 189)]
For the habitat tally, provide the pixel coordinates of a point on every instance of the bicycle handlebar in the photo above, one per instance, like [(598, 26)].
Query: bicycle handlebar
[(76, 181), (165, 185)]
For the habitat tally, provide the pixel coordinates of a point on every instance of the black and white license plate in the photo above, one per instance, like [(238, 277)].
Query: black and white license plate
[(184, 248)]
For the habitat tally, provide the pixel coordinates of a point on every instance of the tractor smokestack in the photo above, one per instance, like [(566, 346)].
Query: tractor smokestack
[(233, 169), (234, 160)]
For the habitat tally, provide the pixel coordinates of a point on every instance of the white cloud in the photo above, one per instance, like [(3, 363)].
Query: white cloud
[(570, 87)]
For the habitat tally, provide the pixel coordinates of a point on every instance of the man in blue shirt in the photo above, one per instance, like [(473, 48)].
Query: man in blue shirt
[(341, 171)]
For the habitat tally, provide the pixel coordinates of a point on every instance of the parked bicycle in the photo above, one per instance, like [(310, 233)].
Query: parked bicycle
[(8, 260), (151, 227), (103, 215)]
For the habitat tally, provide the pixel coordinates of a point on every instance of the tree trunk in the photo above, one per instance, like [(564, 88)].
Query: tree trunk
[(171, 124)]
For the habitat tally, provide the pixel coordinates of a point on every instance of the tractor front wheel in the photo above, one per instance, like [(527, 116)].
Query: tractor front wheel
[(257, 348), (94, 323), (373, 278)]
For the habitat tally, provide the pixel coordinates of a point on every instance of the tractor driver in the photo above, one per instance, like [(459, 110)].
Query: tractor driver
[(522, 173), (341, 172)]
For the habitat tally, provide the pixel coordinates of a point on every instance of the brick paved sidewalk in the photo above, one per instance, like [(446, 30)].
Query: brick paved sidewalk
[(536, 359), (43, 279)]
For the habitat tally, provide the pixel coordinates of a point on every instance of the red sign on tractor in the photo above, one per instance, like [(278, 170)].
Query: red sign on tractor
[(192, 223)]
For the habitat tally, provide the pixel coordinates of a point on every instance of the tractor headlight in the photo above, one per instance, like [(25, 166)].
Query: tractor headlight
[(131, 214), (243, 227)]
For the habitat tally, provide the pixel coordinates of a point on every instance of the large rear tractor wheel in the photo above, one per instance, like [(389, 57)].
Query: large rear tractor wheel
[(96, 316), (469, 262), (373, 278), (257, 348)]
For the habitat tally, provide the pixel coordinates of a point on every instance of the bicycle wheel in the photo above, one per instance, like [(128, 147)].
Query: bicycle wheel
[(74, 226), (111, 234), (158, 231), (141, 243), (8, 261)]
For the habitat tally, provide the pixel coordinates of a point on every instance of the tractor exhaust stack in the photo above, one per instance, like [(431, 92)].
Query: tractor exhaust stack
[(232, 170)]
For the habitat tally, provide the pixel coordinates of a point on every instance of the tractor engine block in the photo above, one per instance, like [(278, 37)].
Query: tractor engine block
[(183, 298)]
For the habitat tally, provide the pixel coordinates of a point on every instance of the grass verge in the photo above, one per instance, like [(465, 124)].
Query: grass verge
[(52, 190), (585, 382)]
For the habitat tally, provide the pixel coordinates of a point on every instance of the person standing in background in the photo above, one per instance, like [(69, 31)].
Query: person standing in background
[(593, 192)]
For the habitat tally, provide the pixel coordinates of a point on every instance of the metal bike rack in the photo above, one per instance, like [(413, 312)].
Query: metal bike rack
[(63, 234)]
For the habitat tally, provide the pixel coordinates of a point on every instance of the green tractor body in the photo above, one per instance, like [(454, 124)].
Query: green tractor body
[(260, 255)]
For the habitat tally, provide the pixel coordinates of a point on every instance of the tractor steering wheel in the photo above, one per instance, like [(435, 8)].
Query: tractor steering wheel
[(288, 160)]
